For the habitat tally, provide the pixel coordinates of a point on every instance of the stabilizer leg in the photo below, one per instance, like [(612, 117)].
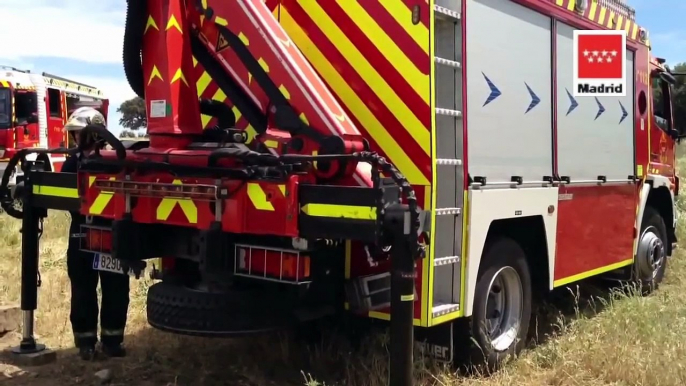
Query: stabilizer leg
[(403, 273), (29, 350)]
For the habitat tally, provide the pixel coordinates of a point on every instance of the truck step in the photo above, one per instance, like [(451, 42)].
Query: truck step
[(447, 260), (448, 161), (444, 309), (447, 62), (448, 112), (446, 14), (448, 211)]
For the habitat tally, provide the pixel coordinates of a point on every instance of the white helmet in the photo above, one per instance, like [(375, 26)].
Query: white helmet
[(84, 116)]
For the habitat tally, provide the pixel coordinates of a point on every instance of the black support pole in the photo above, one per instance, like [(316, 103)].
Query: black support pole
[(29, 270), (403, 273)]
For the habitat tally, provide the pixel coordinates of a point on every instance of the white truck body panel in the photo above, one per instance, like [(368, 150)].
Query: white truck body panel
[(487, 205), (594, 135), (509, 104)]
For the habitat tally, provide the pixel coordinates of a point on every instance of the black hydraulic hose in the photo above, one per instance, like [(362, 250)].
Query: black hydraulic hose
[(246, 155), (377, 161), (220, 110), (110, 138), (6, 198), (133, 44)]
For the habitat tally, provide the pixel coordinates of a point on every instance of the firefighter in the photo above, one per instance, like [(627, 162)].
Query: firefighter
[(83, 278)]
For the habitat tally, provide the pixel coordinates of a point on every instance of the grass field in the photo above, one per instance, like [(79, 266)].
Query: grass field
[(585, 335)]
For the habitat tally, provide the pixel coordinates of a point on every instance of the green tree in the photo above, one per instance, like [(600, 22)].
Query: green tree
[(133, 114)]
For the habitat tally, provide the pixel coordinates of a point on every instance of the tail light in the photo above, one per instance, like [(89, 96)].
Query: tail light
[(283, 265), (96, 239)]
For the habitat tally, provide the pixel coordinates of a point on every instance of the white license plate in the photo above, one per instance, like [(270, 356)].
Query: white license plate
[(102, 262)]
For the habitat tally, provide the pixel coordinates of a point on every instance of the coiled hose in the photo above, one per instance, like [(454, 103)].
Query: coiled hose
[(6, 198), (133, 44)]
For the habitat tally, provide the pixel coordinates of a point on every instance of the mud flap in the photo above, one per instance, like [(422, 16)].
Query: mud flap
[(436, 342)]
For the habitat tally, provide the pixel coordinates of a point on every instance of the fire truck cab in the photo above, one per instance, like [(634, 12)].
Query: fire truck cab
[(34, 108)]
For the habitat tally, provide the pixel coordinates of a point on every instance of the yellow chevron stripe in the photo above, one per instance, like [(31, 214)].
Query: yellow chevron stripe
[(403, 15), (388, 48), (349, 98), (601, 17), (591, 12), (620, 22), (368, 73), (100, 203), (251, 131), (258, 197), (560, 2), (219, 95), (205, 120), (610, 19), (202, 83), (570, 5), (634, 32), (188, 207)]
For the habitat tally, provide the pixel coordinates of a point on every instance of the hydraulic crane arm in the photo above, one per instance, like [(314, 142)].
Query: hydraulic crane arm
[(254, 62)]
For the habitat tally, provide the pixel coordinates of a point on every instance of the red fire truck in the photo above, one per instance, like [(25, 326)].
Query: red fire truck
[(423, 162), (33, 110)]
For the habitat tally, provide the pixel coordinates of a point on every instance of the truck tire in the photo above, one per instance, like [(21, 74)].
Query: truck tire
[(651, 254), (498, 327), (186, 311)]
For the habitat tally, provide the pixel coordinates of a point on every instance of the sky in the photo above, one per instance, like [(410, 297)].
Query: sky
[(84, 39)]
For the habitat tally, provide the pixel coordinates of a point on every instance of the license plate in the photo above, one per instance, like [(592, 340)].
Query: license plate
[(102, 262)]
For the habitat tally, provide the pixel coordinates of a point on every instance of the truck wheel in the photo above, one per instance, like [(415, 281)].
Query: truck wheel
[(187, 311), (651, 254), (502, 305)]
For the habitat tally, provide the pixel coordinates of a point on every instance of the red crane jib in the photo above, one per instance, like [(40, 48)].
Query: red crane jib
[(251, 51)]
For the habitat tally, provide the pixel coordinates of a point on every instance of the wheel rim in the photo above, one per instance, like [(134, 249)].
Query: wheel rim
[(651, 254), (503, 309)]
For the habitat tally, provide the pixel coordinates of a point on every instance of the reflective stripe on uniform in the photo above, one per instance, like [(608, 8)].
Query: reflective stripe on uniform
[(109, 332), (89, 334)]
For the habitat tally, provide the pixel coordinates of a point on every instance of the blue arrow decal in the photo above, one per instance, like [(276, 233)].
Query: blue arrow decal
[(624, 113), (601, 108), (535, 100), (495, 93), (573, 104)]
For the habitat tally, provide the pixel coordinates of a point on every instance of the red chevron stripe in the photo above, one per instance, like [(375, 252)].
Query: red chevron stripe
[(395, 80), (362, 89), (404, 41)]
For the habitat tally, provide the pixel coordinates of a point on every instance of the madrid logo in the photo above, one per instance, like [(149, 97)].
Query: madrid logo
[(599, 63)]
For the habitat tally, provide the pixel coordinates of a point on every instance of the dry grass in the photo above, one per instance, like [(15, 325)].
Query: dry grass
[(585, 336)]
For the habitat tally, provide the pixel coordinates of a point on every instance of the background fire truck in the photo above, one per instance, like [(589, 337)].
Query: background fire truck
[(519, 187), (34, 109)]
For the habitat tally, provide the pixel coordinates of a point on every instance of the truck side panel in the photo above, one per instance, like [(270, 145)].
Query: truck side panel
[(509, 79), (593, 133), (378, 66), (594, 138), (377, 63)]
